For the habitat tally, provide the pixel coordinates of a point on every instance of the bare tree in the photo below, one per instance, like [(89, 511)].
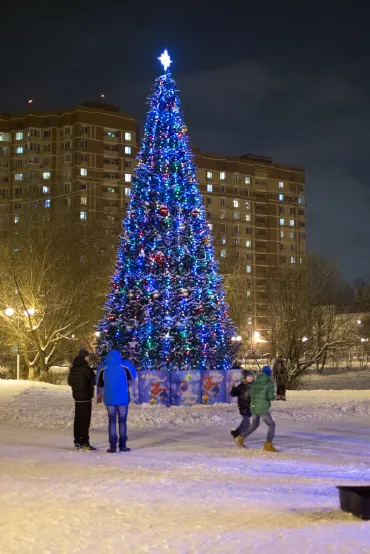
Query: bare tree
[(312, 319), (53, 281)]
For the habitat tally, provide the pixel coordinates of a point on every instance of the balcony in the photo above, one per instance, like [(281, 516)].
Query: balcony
[(112, 168), (108, 153)]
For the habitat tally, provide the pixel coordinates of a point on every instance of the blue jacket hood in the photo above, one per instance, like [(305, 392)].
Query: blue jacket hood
[(113, 359)]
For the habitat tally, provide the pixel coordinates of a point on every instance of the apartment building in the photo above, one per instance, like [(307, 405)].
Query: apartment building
[(76, 165), (71, 164), (256, 209)]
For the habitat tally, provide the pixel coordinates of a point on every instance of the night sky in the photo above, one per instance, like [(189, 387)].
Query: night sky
[(278, 78)]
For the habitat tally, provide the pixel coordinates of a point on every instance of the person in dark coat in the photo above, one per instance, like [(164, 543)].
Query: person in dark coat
[(114, 377), (81, 379), (280, 377), (243, 393)]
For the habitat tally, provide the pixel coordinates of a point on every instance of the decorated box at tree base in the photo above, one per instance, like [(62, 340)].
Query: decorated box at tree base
[(213, 387), (233, 377), (154, 387), (186, 388), (134, 391)]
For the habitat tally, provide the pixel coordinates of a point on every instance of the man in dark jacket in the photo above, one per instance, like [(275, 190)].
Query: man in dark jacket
[(81, 379), (280, 376), (243, 393)]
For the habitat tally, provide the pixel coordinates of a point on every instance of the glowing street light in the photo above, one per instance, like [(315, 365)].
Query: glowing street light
[(9, 312), (359, 322), (236, 338), (305, 339), (97, 334)]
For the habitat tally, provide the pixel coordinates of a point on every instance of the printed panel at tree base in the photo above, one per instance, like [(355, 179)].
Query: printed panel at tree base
[(233, 377), (134, 391), (154, 387), (186, 388), (213, 387)]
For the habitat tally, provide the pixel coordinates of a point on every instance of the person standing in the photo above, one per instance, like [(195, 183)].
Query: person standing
[(81, 379), (280, 376), (114, 378), (262, 394), (243, 394)]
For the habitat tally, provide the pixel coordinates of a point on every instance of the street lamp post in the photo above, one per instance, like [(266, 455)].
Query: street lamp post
[(9, 312)]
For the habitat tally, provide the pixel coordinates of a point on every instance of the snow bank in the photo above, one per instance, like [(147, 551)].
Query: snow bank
[(51, 406)]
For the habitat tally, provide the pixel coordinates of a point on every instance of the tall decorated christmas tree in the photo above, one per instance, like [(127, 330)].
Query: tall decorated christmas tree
[(166, 308)]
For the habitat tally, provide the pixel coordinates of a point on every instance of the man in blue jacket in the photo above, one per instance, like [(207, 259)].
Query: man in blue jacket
[(114, 378)]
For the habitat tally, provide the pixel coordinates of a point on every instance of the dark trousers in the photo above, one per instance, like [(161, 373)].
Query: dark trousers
[(267, 418), (280, 390), (82, 421), (117, 413), (244, 426)]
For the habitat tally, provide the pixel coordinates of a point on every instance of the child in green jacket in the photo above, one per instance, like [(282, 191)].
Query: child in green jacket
[(262, 393)]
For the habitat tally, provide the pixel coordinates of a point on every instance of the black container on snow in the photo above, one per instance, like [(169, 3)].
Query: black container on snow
[(355, 500)]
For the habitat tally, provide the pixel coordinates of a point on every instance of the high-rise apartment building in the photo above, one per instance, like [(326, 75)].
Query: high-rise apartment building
[(72, 164), (76, 165)]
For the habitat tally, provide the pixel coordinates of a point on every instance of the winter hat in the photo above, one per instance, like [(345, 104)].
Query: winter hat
[(83, 353), (246, 373), (267, 369)]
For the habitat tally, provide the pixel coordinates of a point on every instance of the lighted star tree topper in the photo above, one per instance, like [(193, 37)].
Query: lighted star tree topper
[(166, 307)]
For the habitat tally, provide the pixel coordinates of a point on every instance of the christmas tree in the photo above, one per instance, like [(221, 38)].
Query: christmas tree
[(166, 308)]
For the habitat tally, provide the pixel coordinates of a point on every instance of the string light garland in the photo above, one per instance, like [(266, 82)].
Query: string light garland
[(166, 307)]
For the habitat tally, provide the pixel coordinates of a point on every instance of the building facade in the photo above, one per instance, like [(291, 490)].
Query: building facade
[(76, 165)]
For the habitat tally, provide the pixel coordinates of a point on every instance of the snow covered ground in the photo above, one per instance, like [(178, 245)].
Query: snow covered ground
[(184, 488)]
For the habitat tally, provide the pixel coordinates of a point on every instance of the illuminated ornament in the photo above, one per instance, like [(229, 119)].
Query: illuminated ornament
[(165, 60), (131, 294), (133, 213), (155, 294), (195, 212), (184, 292), (182, 226), (159, 257), (163, 210), (142, 253), (102, 95), (207, 241), (30, 101)]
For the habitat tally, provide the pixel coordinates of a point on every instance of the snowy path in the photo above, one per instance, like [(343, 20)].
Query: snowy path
[(183, 490)]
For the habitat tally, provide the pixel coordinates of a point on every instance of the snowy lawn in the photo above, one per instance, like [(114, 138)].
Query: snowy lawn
[(184, 488)]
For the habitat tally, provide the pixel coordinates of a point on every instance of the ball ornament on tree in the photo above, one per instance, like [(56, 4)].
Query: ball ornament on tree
[(163, 210)]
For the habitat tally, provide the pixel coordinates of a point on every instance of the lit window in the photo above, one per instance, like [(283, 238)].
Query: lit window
[(292, 235), (47, 203), (236, 203), (300, 200), (250, 321), (248, 205), (281, 197), (210, 226), (46, 175), (110, 134), (127, 149), (223, 240), (209, 188), (249, 269), (209, 174), (248, 243), (128, 136), (127, 191), (292, 259), (247, 180), (83, 215), (45, 190), (248, 217), (281, 185), (291, 222), (282, 234), (4, 137), (248, 293), (83, 171), (223, 253), (19, 176), (19, 150), (282, 221), (222, 176), (84, 200), (236, 215), (19, 136), (222, 215), (128, 177), (16, 219)]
